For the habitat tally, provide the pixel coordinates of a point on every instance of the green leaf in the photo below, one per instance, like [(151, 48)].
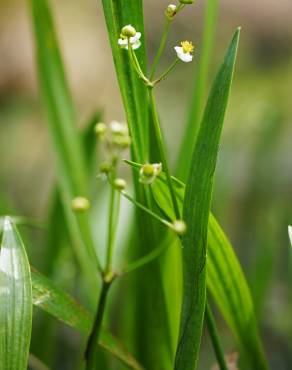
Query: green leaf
[(146, 309), (201, 78), (225, 278), (50, 298), (197, 203), (15, 300), (118, 13), (71, 168)]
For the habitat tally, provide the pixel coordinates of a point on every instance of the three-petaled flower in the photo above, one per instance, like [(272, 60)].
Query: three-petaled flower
[(129, 35), (184, 52)]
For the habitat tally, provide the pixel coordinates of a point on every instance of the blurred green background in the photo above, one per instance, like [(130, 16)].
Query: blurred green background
[(253, 189)]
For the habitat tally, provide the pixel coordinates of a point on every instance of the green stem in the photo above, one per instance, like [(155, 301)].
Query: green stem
[(169, 69), (145, 209), (112, 227), (92, 344), (211, 324), (136, 64), (162, 150), (161, 47), (147, 258)]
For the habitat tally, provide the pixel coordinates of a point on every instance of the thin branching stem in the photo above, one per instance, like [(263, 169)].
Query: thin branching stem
[(212, 329), (169, 69), (163, 41)]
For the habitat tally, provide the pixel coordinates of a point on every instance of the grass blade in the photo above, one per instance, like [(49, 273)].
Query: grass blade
[(146, 295), (71, 166), (198, 93), (225, 278), (50, 298), (118, 13), (197, 203), (15, 300)]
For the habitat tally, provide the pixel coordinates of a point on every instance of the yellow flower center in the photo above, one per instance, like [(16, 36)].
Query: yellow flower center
[(187, 47)]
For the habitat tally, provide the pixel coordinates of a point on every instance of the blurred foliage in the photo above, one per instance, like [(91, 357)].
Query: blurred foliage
[(252, 197)]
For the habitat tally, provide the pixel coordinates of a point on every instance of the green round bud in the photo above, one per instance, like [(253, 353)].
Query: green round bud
[(180, 227), (120, 184), (80, 204), (186, 1), (147, 170), (100, 129), (128, 31), (105, 167), (122, 142)]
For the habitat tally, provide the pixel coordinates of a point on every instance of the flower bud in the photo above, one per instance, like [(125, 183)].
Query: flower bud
[(122, 142), (105, 168), (149, 172), (100, 129), (171, 10), (180, 227), (128, 31), (120, 184), (80, 204)]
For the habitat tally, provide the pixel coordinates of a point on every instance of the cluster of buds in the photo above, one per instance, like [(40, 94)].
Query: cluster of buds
[(149, 172), (116, 135)]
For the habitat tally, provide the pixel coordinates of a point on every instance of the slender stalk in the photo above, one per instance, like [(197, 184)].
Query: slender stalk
[(161, 47), (147, 258), (92, 344), (211, 324), (145, 209), (111, 231), (169, 69), (162, 150), (136, 64)]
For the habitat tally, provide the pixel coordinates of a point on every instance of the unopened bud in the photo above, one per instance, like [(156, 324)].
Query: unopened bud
[(122, 142), (128, 31), (80, 204), (180, 227), (105, 167), (120, 184), (171, 10), (100, 129)]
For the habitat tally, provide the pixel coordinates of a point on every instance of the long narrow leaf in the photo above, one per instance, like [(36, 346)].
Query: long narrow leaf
[(146, 295), (225, 278), (71, 166), (15, 300), (118, 13), (198, 93), (197, 203), (50, 298)]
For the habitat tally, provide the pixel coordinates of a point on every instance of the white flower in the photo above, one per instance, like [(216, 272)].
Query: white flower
[(184, 52), (118, 128), (134, 41), (290, 233)]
